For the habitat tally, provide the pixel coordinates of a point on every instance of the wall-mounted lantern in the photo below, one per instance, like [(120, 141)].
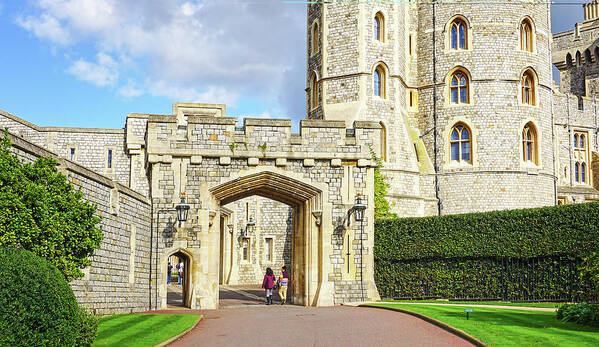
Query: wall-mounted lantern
[(182, 210)]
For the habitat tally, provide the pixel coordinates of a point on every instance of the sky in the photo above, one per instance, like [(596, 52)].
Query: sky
[(87, 63)]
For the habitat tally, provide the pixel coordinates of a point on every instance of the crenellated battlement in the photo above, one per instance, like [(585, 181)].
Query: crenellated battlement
[(198, 136)]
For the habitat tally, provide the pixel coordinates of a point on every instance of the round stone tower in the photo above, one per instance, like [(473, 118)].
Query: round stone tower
[(462, 91)]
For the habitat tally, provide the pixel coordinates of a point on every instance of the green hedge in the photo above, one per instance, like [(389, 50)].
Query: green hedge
[(37, 306), (529, 254)]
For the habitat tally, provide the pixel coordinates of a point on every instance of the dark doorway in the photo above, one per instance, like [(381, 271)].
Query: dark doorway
[(179, 281)]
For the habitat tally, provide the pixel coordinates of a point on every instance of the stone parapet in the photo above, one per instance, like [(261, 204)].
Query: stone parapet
[(209, 136)]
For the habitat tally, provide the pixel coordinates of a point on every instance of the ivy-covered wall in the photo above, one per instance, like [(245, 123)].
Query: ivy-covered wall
[(530, 254)]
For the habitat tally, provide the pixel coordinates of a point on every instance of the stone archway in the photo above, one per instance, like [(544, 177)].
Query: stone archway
[(317, 172), (306, 202), (188, 277)]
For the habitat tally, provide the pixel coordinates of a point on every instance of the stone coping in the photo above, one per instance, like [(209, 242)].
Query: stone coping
[(367, 125), (197, 119), (155, 118), (146, 115), (38, 151), (61, 129), (317, 123), (267, 122)]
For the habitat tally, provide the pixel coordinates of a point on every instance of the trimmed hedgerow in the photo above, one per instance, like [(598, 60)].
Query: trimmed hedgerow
[(530, 254), (582, 313), (37, 306)]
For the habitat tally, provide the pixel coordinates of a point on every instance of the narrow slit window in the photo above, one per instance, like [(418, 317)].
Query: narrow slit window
[(526, 36), (72, 154), (268, 246), (379, 27), (378, 80), (109, 163), (246, 249), (528, 88), (529, 143)]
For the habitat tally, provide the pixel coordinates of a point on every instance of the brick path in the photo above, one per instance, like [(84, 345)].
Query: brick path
[(299, 326)]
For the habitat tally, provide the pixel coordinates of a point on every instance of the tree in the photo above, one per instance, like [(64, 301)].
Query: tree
[(40, 211)]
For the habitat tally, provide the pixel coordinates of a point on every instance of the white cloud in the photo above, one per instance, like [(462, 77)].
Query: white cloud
[(190, 50), (102, 73), (130, 90), (46, 27)]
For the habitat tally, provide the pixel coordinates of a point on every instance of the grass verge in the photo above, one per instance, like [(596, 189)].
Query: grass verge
[(140, 329), (505, 327), (501, 303)]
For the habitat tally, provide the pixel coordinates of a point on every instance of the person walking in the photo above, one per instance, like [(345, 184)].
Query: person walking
[(283, 282), (180, 267), (169, 269), (268, 283)]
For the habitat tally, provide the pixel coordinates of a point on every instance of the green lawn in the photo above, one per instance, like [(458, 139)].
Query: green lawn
[(502, 303), (506, 327), (142, 329)]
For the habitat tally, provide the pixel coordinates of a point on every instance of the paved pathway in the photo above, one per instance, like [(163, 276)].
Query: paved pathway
[(299, 326)]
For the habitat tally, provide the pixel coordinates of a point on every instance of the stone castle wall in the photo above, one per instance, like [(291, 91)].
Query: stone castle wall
[(118, 279), (91, 145)]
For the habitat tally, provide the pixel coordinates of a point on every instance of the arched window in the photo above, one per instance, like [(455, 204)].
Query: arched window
[(528, 88), (460, 143), (315, 39), (383, 142), (526, 36), (379, 27), (529, 143), (587, 57), (458, 34), (459, 88), (569, 60), (314, 99), (379, 82), (581, 157), (597, 54), (578, 59)]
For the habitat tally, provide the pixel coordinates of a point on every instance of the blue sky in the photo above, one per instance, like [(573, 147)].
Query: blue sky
[(90, 62)]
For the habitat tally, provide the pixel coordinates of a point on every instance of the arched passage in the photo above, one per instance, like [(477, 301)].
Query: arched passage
[(305, 203), (177, 292)]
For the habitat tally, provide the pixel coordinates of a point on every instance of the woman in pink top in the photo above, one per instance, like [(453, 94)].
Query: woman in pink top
[(268, 283)]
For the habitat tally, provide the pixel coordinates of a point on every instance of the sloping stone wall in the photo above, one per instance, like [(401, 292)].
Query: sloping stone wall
[(117, 280)]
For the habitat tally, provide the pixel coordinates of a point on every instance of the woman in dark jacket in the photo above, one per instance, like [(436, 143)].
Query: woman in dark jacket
[(268, 283)]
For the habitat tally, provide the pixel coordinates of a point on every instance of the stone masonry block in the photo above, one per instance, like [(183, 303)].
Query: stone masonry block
[(225, 161)]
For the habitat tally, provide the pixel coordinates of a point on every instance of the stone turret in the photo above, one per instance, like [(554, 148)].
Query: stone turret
[(591, 10)]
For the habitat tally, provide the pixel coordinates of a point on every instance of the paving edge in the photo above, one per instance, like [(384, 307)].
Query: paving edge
[(174, 338), (438, 323)]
